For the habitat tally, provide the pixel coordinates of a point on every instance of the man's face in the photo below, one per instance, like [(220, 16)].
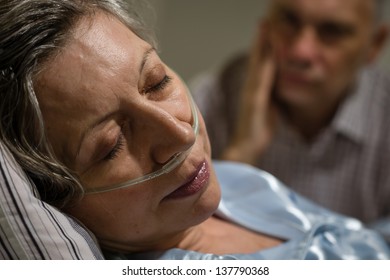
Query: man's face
[(320, 46)]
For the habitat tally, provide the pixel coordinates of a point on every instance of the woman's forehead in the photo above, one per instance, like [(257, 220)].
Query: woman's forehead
[(100, 50), (100, 60)]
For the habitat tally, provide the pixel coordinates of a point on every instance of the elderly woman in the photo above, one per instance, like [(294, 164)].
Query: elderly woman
[(110, 135)]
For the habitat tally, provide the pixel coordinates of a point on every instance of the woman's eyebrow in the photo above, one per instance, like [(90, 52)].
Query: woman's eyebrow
[(145, 58), (106, 117)]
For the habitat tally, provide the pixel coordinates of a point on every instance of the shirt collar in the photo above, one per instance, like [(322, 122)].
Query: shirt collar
[(350, 119)]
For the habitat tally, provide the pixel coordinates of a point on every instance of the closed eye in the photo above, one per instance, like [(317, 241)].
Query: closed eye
[(159, 86), (117, 148)]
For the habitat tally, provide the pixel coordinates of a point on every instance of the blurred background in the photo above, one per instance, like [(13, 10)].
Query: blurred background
[(198, 36)]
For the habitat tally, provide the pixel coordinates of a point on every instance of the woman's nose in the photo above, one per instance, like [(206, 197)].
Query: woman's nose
[(169, 131)]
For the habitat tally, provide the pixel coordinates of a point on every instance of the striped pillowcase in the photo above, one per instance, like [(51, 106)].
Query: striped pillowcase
[(32, 229)]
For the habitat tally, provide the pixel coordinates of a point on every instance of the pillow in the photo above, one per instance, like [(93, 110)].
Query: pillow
[(32, 229)]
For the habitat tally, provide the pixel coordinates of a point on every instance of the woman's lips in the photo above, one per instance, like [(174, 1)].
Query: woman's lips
[(197, 182)]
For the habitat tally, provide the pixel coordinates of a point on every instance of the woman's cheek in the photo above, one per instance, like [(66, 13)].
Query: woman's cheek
[(204, 135)]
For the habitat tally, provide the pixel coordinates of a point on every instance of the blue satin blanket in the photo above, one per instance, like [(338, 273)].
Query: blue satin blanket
[(258, 201)]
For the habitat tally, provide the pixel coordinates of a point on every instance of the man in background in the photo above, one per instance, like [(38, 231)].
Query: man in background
[(307, 105)]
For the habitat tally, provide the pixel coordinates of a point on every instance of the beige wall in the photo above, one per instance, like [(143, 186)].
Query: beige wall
[(198, 35)]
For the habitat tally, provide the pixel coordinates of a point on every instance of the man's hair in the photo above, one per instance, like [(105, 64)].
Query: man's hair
[(32, 31), (379, 10)]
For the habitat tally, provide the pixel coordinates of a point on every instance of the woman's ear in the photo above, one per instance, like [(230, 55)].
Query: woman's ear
[(378, 42)]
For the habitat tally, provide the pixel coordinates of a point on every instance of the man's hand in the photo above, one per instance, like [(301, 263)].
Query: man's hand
[(257, 114)]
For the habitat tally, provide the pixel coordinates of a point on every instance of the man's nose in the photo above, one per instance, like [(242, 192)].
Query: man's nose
[(305, 46)]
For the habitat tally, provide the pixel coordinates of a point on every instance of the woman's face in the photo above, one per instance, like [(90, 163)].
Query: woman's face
[(114, 111)]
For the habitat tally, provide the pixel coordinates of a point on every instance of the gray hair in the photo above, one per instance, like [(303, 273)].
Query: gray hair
[(32, 31), (380, 6)]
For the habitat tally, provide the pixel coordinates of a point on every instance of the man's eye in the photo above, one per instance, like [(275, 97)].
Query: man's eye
[(333, 32), (288, 23), (117, 148), (290, 18), (160, 85)]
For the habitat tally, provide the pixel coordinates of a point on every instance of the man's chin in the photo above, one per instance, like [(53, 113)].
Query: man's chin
[(295, 97)]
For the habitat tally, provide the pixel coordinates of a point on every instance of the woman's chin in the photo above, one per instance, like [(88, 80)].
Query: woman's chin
[(210, 200)]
